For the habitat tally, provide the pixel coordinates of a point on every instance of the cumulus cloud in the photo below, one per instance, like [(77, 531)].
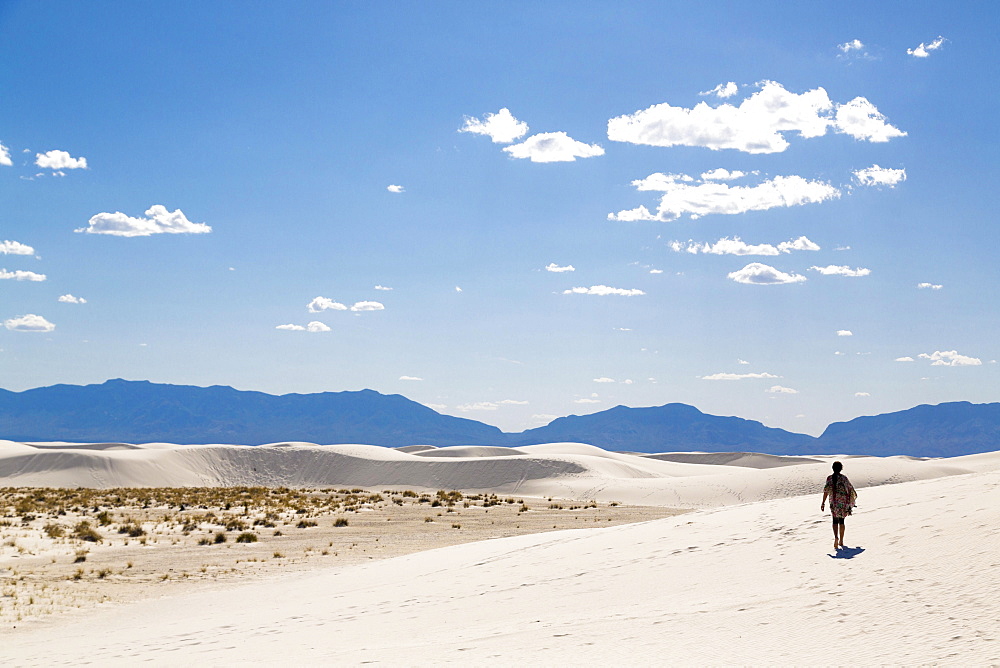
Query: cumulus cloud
[(880, 176), (29, 323), (682, 197), (604, 379), (778, 389), (70, 299), (458, 289), (15, 248), (904, 359), (5, 156), (410, 378), (157, 221), (19, 275), (721, 174), (656, 271), (603, 291), (586, 401), (553, 147), (738, 376), (367, 306), (501, 127), (929, 286), (59, 160), (841, 270), (382, 287), (853, 45), (314, 326), (727, 89), (553, 267), (736, 246), (844, 332), (395, 189), (513, 402), (950, 358), (862, 394), (756, 273), (757, 125), (324, 304), (924, 50)]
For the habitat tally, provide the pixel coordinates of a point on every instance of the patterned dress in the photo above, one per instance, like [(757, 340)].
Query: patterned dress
[(842, 496)]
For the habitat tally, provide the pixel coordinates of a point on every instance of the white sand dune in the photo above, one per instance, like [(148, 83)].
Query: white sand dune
[(753, 583)]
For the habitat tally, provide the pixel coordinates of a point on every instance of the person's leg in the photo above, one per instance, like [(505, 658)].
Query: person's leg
[(841, 527), (836, 534)]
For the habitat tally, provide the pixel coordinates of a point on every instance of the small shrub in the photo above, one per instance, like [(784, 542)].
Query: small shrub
[(81, 556), (305, 524), (456, 526), (247, 537), (428, 519), (103, 518), (220, 537), (340, 522), (54, 531), (83, 531)]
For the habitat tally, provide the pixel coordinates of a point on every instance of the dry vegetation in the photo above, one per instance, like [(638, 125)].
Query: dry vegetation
[(64, 550)]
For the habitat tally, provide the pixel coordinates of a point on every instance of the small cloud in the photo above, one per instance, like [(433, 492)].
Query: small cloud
[(742, 362), (604, 379), (950, 358), (862, 394), (410, 378), (458, 289), (19, 275), (29, 323), (778, 389), (627, 381), (5, 156), (382, 287), (904, 359), (841, 270), (721, 174), (603, 290), (924, 50), (157, 221), (543, 417), (838, 353), (478, 406), (324, 304), (59, 160), (395, 189), (555, 268), (15, 248), (844, 332), (500, 127), (928, 286), (437, 407), (70, 299), (842, 248), (656, 271), (587, 401), (314, 326), (853, 45), (756, 273), (553, 147), (368, 306), (513, 402), (622, 329), (723, 90), (738, 376), (736, 246), (880, 176)]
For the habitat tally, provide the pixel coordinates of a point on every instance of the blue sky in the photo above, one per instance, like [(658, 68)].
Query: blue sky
[(781, 213)]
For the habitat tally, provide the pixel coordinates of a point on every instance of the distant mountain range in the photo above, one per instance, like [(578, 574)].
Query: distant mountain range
[(144, 412)]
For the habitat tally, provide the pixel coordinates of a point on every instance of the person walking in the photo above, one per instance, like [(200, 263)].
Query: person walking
[(842, 497)]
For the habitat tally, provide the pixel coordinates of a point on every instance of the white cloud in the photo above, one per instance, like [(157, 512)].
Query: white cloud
[(324, 304), (929, 286), (628, 381), (757, 125), (844, 332), (368, 306), (19, 275), (756, 273), (838, 353), (157, 221), (727, 89), (479, 406), (656, 271), (880, 176), (15, 248), (739, 361), (59, 160), (681, 198), (736, 246), (950, 358), (586, 401), (853, 45), (924, 50), (553, 147), (5, 156), (603, 290), (382, 287), (543, 417), (410, 378), (29, 323), (862, 394), (70, 299), (501, 127), (778, 389), (604, 379), (904, 359), (721, 174), (841, 270), (314, 326), (395, 189), (738, 376), (553, 267), (458, 289), (437, 407), (513, 402)]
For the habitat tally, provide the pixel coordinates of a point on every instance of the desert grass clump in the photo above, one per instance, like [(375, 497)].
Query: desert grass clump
[(305, 524), (54, 530), (83, 531), (80, 557), (340, 522), (220, 537), (247, 537)]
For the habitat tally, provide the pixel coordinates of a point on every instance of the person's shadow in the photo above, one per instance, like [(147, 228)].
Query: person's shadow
[(847, 553)]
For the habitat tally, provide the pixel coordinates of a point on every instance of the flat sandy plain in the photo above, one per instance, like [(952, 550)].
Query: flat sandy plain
[(747, 576)]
